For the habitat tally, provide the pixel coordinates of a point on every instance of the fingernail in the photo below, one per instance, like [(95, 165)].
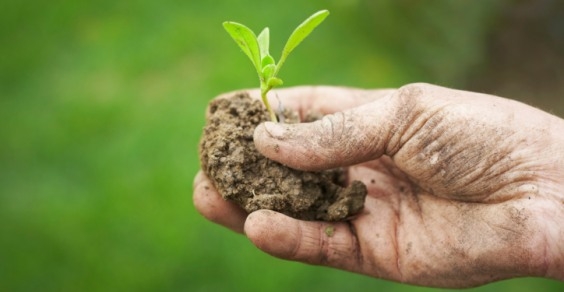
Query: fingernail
[(275, 130)]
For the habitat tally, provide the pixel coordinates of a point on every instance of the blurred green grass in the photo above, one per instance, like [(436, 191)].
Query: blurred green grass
[(102, 107)]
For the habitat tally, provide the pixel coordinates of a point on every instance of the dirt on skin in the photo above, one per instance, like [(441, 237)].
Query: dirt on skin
[(242, 175)]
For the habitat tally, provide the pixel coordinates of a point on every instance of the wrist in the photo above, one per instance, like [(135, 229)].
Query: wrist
[(553, 214), (551, 225)]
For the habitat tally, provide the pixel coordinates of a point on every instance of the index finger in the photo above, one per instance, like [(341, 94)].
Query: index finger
[(318, 99)]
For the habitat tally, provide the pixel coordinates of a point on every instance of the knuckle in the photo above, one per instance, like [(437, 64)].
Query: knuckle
[(338, 249), (409, 111), (331, 129), (339, 139), (413, 91)]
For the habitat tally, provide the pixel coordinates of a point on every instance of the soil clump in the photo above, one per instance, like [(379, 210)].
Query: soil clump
[(242, 175)]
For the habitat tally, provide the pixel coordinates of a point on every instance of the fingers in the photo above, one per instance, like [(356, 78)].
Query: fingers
[(317, 99), (345, 138), (318, 243), (323, 99), (212, 206)]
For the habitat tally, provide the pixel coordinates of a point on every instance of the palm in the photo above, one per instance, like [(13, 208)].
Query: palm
[(406, 233)]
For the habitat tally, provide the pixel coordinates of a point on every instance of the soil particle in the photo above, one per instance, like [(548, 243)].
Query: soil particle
[(242, 175), (330, 230)]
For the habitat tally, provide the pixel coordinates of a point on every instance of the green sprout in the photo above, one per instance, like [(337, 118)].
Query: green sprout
[(257, 49)]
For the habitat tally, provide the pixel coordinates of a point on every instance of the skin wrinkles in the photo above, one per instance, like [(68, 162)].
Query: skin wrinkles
[(334, 135), (341, 249), (395, 243), (330, 135), (338, 136), (440, 143), (325, 249), (405, 114), (357, 247)]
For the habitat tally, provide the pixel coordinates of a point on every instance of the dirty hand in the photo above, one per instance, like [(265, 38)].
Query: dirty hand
[(463, 188)]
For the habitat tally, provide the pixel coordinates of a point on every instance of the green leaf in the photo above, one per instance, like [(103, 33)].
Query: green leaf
[(300, 33), (267, 60), (274, 82), (246, 40), (268, 71), (264, 42)]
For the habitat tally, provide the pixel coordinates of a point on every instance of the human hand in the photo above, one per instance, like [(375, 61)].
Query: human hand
[(463, 188)]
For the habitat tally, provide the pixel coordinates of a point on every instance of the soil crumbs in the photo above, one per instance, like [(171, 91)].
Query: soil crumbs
[(242, 175)]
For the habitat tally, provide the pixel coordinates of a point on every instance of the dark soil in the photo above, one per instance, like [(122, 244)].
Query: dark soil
[(242, 175)]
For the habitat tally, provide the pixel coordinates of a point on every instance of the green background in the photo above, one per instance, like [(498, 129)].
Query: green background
[(102, 104)]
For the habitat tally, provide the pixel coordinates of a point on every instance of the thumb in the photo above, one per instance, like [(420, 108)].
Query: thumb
[(341, 139)]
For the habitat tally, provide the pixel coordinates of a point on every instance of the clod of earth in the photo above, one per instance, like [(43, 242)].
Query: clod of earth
[(242, 175)]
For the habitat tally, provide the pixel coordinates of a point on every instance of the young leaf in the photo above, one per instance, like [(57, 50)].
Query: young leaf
[(274, 82), (246, 40), (300, 33), (264, 42), (268, 71), (267, 60)]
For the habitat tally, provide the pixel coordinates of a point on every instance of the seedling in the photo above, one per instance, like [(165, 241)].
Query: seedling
[(257, 49)]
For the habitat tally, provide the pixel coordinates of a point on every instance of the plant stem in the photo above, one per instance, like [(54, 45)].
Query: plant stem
[(267, 104)]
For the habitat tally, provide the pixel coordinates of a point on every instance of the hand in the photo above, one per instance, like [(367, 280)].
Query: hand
[(463, 188)]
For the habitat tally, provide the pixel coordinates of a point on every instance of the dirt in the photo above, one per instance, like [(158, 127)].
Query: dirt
[(242, 175)]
